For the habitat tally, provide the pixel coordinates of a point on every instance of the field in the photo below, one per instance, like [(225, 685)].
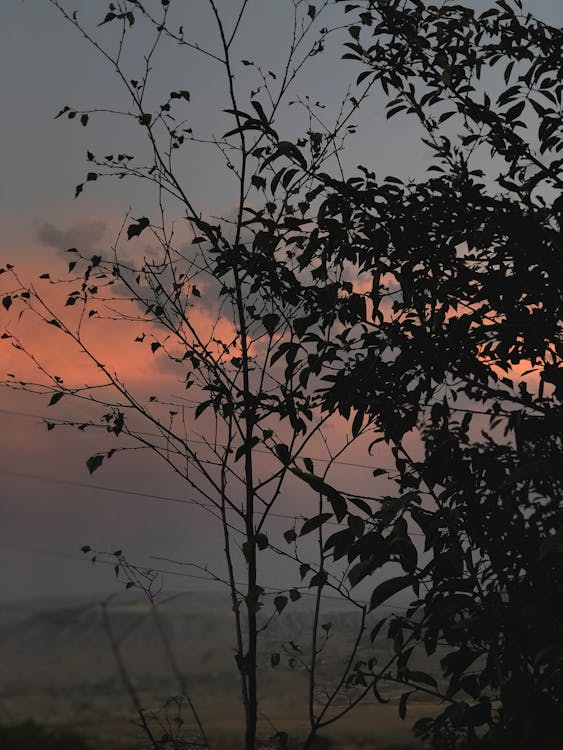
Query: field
[(57, 667)]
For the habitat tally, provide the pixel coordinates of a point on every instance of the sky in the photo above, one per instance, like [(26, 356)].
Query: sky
[(49, 505)]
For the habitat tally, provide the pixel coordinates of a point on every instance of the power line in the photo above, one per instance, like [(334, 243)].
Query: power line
[(178, 573), (12, 413), (146, 495)]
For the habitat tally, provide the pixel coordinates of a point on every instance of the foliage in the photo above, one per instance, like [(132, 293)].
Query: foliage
[(31, 736), (465, 346)]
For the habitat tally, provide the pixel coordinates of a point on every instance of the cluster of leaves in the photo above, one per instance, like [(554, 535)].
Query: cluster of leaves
[(466, 294), (29, 735), (465, 273)]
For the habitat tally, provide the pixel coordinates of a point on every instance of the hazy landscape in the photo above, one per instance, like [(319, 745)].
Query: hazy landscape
[(58, 668)]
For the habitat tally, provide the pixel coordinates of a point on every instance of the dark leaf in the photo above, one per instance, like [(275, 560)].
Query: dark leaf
[(290, 535), (421, 677), (94, 462), (314, 523), (403, 703), (134, 230), (270, 323), (389, 588)]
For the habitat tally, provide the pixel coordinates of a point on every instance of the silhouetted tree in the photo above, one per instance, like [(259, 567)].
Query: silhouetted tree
[(462, 348)]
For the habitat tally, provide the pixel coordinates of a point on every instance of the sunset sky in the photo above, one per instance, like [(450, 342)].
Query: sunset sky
[(49, 504)]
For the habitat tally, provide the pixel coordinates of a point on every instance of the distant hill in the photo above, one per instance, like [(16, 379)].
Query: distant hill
[(57, 663)]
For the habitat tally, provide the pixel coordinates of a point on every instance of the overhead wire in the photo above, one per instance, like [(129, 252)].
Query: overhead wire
[(62, 422), (145, 495), (177, 573)]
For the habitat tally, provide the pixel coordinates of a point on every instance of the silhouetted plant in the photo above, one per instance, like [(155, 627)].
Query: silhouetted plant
[(29, 735)]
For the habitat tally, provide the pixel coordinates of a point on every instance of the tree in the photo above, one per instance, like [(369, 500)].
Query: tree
[(226, 305), (465, 347), (426, 313)]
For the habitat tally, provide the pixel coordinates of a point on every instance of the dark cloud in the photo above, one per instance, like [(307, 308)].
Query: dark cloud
[(84, 235)]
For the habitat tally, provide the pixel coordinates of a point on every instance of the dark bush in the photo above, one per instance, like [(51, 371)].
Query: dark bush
[(31, 736)]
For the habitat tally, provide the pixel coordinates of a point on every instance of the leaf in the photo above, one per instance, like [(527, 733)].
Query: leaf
[(294, 595), (515, 111), (7, 301), (314, 523), (282, 452), (55, 398), (270, 323), (290, 535), (375, 630), (447, 76), (84, 120), (319, 579), (421, 677), (145, 119), (260, 110), (357, 423), (201, 407), (241, 451), (134, 230), (389, 588), (274, 659), (63, 111), (403, 703), (379, 697), (155, 346), (108, 17), (336, 500), (258, 182), (280, 603), (94, 462), (85, 548), (78, 190), (183, 94), (311, 12)]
